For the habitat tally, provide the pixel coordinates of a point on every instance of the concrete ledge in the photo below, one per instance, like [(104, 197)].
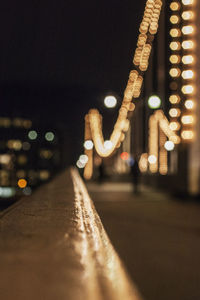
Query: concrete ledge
[(53, 246)]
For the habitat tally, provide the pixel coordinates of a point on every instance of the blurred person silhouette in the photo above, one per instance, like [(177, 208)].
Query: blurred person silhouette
[(135, 174)]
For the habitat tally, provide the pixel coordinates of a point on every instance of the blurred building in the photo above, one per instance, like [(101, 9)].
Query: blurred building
[(29, 156), (173, 75)]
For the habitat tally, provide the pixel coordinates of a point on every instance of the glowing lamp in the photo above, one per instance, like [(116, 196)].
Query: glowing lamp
[(124, 155), (22, 183), (83, 158), (110, 101), (154, 102), (88, 145), (169, 145)]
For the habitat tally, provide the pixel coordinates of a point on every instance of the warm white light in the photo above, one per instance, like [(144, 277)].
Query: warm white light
[(187, 89), (169, 145), (108, 145), (187, 134), (80, 165), (187, 44), (154, 102), (174, 72), (187, 119), (174, 46), (174, 19), (189, 104), (152, 159), (174, 126), (187, 59), (187, 29), (174, 112), (174, 6), (187, 15), (174, 99), (174, 59), (110, 101), (187, 74), (187, 2), (83, 158), (88, 145), (174, 32)]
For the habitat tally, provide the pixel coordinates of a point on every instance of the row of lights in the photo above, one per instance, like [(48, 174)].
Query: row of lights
[(49, 136), (93, 121), (182, 70)]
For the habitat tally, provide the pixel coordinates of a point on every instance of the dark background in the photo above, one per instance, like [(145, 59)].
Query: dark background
[(60, 58)]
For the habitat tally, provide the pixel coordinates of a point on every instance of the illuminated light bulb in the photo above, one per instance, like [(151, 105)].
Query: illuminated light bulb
[(175, 139), (187, 2), (187, 119), (187, 134), (174, 19), (187, 59), (187, 89), (80, 165), (189, 29), (187, 74), (189, 104), (174, 72), (124, 155), (108, 145), (88, 145), (174, 126), (32, 135), (187, 15), (83, 159), (175, 46), (154, 102), (169, 145), (110, 101), (174, 59), (22, 183), (174, 99), (49, 136), (174, 6), (174, 32), (187, 44), (152, 159), (174, 112)]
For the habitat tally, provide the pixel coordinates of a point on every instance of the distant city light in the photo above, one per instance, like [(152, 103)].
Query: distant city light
[(169, 145), (110, 101), (49, 136), (22, 183), (88, 145), (108, 144), (32, 135), (83, 159), (154, 102), (44, 174), (6, 192)]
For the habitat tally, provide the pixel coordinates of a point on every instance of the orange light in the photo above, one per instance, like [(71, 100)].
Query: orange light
[(22, 183), (174, 6), (174, 19), (174, 99), (174, 32), (174, 59), (124, 156)]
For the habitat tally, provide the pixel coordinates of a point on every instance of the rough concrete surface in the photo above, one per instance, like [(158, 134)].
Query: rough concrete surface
[(53, 246)]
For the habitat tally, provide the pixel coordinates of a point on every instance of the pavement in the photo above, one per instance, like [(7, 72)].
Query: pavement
[(156, 236)]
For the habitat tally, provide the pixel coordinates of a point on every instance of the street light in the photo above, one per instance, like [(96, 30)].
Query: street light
[(154, 102), (110, 101)]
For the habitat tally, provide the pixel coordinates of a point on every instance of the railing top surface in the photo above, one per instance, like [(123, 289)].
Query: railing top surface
[(53, 246)]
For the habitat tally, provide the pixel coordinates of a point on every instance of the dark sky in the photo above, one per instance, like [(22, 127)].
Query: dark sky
[(59, 58)]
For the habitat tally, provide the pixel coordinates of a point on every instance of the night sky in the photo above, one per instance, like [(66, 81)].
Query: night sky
[(59, 58)]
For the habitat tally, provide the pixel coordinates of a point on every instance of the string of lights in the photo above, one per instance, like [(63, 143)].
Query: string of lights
[(93, 120)]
